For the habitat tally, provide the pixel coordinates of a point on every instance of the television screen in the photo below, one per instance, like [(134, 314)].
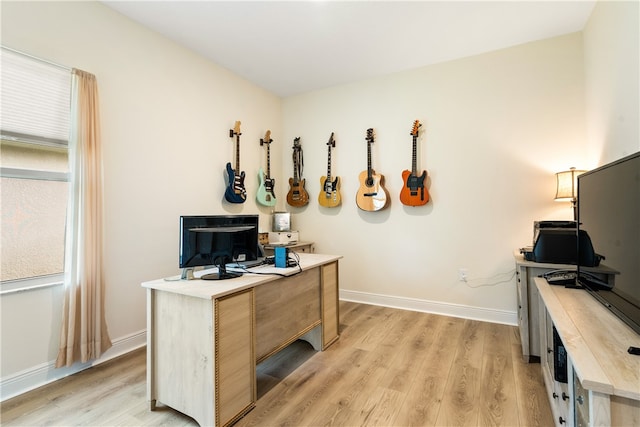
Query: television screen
[(218, 240), (609, 211)]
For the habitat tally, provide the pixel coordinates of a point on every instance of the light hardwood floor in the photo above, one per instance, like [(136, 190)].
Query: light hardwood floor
[(390, 368)]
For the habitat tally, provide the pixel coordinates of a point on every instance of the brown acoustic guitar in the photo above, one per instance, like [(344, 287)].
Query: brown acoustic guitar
[(297, 195), (371, 196), (414, 191), (329, 196)]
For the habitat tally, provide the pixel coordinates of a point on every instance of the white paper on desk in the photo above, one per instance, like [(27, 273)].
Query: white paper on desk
[(272, 269)]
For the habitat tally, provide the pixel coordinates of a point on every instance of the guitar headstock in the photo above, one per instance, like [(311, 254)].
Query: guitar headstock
[(369, 137), (416, 126), (296, 142), (331, 142), (235, 130), (267, 138)]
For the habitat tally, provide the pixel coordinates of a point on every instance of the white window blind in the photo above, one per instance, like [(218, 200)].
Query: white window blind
[(35, 98)]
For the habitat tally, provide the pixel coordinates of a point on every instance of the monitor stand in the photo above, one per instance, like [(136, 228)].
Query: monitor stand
[(222, 274), (187, 274)]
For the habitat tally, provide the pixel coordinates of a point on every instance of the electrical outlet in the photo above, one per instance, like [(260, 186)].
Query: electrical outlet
[(462, 274)]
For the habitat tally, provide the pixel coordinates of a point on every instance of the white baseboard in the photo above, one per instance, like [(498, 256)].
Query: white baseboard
[(37, 376), (446, 309)]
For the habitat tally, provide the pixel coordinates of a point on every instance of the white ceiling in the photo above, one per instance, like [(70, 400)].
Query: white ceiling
[(291, 47)]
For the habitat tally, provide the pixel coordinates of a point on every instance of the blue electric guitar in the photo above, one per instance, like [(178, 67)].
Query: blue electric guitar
[(235, 192), (266, 195)]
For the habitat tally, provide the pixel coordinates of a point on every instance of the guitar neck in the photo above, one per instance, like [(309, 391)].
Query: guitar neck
[(369, 168), (329, 164), (268, 161), (237, 154), (414, 166), (295, 165)]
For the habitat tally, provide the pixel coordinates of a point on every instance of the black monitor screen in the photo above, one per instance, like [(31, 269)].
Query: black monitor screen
[(609, 211), (217, 240)]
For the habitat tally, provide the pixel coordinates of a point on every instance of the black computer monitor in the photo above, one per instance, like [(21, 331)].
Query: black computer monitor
[(217, 240)]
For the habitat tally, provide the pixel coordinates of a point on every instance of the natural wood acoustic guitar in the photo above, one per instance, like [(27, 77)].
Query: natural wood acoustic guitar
[(235, 191), (414, 191), (297, 195), (371, 196), (266, 189), (329, 196)]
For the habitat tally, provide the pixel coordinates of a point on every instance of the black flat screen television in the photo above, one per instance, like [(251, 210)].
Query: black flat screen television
[(609, 211), (217, 240)]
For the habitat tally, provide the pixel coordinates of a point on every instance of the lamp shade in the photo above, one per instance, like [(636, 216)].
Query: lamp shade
[(567, 185)]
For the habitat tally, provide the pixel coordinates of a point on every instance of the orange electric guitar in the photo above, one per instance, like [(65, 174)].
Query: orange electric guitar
[(297, 195), (329, 196), (371, 196), (414, 192)]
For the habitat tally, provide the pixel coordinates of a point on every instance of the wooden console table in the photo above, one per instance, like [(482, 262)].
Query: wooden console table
[(603, 380), (205, 338)]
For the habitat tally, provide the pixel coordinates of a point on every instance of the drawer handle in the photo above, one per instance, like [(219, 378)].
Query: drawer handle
[(564, 396), (562, 420), (580, 400), (554, 395)]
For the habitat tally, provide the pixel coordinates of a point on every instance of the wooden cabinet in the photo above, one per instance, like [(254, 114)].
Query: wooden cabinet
[(559, 392), (603, 379), (194, 341), (234, 356), (204, 338), (527, 300)]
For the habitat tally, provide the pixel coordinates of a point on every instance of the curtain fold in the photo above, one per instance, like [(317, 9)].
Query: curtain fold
[(84, 333)]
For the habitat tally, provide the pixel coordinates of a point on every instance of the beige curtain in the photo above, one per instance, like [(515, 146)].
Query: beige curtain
[(84, 334)]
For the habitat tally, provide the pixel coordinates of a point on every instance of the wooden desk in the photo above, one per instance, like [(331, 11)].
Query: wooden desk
[(204, 338)]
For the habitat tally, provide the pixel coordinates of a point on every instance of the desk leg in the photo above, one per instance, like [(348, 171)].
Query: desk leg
[(314, 337), (151, 365)]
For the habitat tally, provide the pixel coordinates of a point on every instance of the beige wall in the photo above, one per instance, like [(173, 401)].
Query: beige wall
[(496, 128), (612, 73)]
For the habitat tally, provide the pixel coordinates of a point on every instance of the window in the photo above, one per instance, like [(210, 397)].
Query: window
[(33, 170)]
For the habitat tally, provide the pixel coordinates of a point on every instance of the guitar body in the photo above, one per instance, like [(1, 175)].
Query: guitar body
[(371, 196), (329, 196), (414, 192), (297, 195), (265, 195), (235, 191)]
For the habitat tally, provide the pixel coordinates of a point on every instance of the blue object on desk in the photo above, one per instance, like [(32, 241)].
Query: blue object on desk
[(281, 254)]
